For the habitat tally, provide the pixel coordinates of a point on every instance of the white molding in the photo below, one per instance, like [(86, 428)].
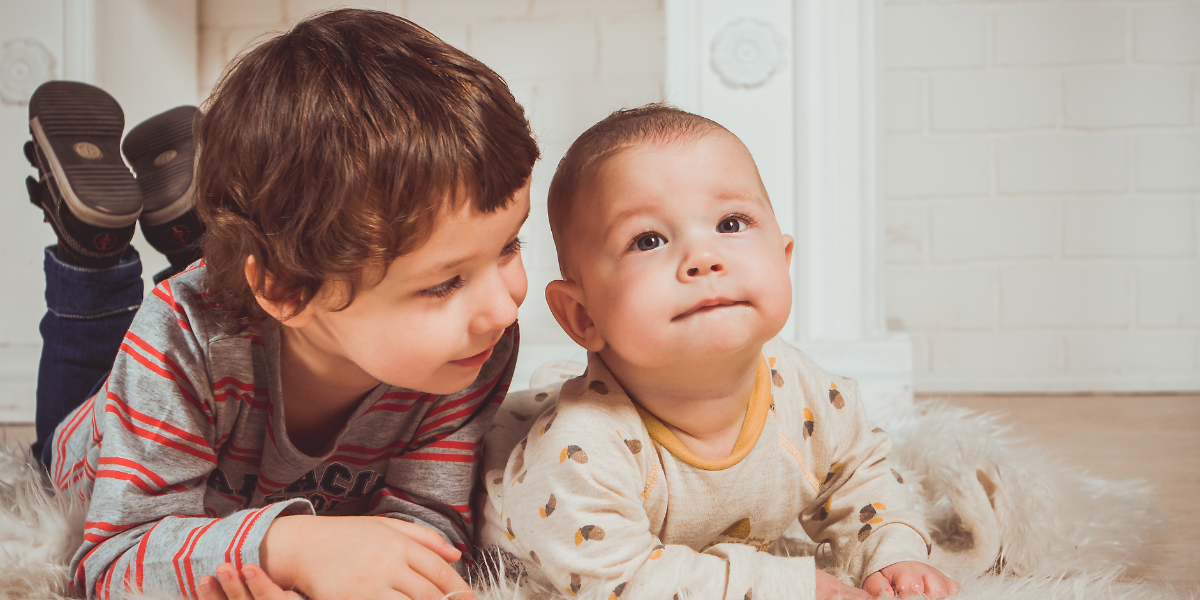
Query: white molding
[(840, 263), (826, 189), (79, 41)]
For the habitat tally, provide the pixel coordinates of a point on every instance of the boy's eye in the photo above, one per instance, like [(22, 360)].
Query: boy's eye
[(443, 289), (648, 241), (513, 247), (731, 225)]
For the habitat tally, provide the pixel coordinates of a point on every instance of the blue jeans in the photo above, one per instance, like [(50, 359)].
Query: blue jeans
[(88, 312)]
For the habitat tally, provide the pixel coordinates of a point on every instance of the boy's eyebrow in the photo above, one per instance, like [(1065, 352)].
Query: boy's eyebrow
[(453, 264)]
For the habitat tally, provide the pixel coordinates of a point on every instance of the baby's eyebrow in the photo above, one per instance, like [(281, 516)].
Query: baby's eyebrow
[(625, 215)]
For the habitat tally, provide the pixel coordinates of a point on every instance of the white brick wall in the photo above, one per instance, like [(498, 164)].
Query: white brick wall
[(1041, 167), (1043, 192)]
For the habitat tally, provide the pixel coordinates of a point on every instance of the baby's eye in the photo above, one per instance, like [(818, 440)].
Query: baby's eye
[(443, 289), (648, 241), (731, 225)]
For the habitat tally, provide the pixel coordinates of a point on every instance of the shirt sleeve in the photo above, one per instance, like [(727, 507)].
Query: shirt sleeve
[(870, 519), (573, 510), (147, 528), (430, 483)]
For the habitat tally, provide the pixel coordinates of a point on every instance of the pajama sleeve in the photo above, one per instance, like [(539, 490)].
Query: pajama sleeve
[(146, 526), (573, 506), (861, 508)]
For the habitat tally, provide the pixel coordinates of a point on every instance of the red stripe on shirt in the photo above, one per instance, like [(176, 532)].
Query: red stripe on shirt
[(437, 457), (146, 434), (187, 559), (237, 552)]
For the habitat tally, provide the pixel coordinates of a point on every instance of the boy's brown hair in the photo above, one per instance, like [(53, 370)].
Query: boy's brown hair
[(621, 130), (336, 146)]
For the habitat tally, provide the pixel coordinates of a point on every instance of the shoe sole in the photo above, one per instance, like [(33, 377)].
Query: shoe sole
[(162, 154), (77, 128)]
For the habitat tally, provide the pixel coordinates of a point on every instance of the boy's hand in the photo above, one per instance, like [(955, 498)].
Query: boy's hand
[(829, 588), (909, 578), (253, 584), (328, 558)]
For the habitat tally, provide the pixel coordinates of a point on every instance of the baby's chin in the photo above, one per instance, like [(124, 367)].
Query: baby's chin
[(706, 347)]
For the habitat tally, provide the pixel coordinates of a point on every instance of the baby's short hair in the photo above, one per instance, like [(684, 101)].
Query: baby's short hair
[(623, 129), (336, 146)]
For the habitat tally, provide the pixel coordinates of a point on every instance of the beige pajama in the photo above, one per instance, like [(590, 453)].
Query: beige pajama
[(600, 499)]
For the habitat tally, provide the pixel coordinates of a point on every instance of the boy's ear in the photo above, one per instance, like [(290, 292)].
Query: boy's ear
[(283, 311), (566, 301)]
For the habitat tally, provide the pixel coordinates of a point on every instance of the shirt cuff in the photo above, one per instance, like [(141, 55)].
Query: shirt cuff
[(892, 543), (258, 525), (754, 574)]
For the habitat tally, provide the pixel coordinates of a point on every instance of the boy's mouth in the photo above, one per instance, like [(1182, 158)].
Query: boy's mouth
[(709, 304), (475, 361)]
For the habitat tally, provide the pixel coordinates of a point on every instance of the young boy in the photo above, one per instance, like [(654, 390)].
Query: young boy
[(339, 351), (695, 437)]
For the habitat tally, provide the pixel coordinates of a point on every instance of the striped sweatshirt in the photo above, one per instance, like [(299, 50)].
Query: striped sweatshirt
[(184, 455)]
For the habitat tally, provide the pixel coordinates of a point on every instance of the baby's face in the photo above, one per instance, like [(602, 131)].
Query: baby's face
[(678, 254)]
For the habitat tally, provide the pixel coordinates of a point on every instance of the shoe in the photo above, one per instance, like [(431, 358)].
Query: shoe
[(85, 190), (162, 154)]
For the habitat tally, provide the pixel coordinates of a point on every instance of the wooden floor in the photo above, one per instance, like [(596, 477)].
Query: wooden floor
[(1154, 438)]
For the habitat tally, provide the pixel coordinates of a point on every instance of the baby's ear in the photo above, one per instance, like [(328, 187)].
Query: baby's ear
[(566, 301), (282, 309)]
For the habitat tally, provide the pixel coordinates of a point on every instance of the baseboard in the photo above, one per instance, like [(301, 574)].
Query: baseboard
[(1074, 384), (18, 381)]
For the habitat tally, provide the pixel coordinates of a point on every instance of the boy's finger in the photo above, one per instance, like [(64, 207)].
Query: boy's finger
[(439, 574), (231, 584), (210, 589), (426, 537), (417, 587), (262, 587)]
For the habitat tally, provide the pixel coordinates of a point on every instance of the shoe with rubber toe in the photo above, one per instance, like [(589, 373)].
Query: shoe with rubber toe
[(88, 195), (162, 153)]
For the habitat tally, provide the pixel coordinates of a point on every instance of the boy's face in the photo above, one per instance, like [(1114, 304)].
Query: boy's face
[(678, 254), (432, 320)]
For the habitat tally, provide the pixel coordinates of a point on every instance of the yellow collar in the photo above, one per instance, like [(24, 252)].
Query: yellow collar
[(756, 418)]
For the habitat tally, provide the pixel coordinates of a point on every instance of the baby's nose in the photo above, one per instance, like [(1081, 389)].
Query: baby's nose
[(711, 268)]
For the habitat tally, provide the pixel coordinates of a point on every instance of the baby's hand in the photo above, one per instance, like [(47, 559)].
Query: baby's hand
[(909, 578), (829, 588)]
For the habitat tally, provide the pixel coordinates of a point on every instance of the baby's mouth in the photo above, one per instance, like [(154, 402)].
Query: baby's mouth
[(709, 305)]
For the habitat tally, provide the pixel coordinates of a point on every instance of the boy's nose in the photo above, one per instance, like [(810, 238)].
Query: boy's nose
[(504, 293)]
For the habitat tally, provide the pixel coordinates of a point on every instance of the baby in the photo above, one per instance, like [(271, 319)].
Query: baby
[(696, 437)]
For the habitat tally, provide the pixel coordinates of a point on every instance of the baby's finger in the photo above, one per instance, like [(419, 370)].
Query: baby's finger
[(934, 587), (262, 587), (908, 583), (210, 589), (952, 587), (877, 586)]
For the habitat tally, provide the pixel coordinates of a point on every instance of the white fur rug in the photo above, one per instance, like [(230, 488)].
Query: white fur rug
[(1010, 522)]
